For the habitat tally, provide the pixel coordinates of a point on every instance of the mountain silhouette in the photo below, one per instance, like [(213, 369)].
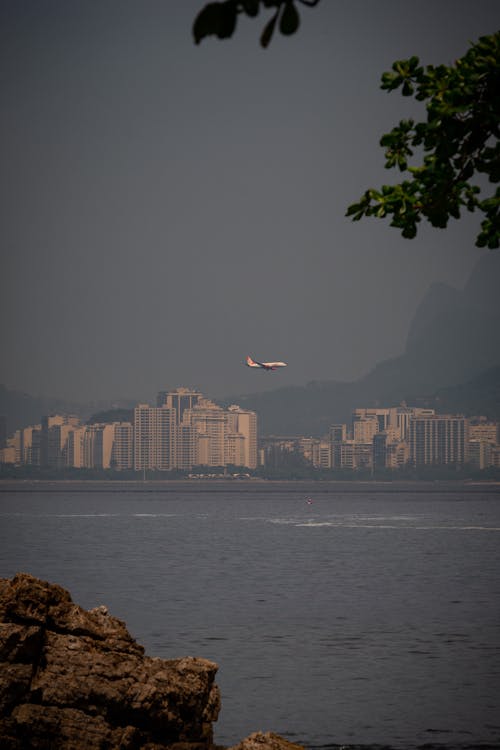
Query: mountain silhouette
[(453, 338), (451, 361)]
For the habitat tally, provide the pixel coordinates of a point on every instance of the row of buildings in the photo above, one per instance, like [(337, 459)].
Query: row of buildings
[(183, 430), (186, 430), (393, 437)]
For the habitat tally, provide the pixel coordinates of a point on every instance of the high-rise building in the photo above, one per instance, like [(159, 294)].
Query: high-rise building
[(438, 439), (338, 433), (243, 422), (365, 428), (100, 446), (235, 449), (154, 437), (400, 418), (391, 417), (380, 415), (179, 399), (8, 453), (343, 455), (75, 451), (30, 445), (122, 455), (55, 431), (104, 439), (480, 453), (3, 431), (182, 400), (322, 455), (16, 442), (495, 456), (185, 454), (380, 442), (388, 450), (484, 430), (208, 421), (187, 430), (91, 447)]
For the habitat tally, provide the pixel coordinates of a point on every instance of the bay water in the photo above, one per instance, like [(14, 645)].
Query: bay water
[(354, 615)]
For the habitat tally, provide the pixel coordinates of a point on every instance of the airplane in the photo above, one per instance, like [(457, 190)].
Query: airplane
[(264, 365)]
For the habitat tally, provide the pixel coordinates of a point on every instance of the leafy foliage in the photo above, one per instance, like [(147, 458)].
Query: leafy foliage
[(219, 18), (459, 140)]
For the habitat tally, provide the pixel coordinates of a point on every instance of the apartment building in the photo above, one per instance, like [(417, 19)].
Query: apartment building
[(74, 453), (364, 429), (392, 417), (235, 450), (322, 455), (54, 435), (241, 429), (30, 445), (338, 433), (154, 437), (484, 430), (438, 439), (122, 452), (480, 453), (101, 446), (389, 451), (343, 455), (208, 421), (179, 399), (188, 430)]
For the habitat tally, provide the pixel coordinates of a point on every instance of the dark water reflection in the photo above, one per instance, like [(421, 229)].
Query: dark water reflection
[(361, 618)]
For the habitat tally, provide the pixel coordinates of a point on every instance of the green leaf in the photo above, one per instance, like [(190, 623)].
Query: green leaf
[(457, 140), (355, 208), (410, 231)]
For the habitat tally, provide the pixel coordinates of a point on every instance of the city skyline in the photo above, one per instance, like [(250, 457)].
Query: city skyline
[(186, 431)]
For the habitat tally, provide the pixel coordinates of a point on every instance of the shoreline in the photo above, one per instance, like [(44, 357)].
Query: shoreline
[(256, 486)]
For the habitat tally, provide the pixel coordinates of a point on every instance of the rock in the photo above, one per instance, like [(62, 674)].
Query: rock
[(72, 680), (266, 741), (77, 680)]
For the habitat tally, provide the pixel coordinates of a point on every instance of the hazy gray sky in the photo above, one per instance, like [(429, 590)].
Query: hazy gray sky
[(169, 208)]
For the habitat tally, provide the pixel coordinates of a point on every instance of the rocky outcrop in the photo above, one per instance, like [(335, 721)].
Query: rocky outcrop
[(72, 679), (77, 680), (266, 741)]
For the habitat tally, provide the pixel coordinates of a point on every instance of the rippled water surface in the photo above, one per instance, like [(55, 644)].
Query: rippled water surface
[(350, 617)]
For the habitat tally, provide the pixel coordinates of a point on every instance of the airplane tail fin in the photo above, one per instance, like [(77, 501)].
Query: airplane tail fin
[(250, 361)]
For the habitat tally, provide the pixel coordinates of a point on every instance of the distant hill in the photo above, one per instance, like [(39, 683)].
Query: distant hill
[(108, 416), (454, 339), (451, 361), (20, 409), (454, 335), (480, 396)]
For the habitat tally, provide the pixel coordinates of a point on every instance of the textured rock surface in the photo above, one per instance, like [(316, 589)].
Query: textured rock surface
[(77, 680), (266, 741), (72, 679)]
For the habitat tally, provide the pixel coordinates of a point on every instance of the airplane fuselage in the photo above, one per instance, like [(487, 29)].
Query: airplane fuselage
[(269, 366)]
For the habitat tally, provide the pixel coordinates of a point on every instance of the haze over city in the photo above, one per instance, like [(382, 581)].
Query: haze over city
[(169, 208)]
